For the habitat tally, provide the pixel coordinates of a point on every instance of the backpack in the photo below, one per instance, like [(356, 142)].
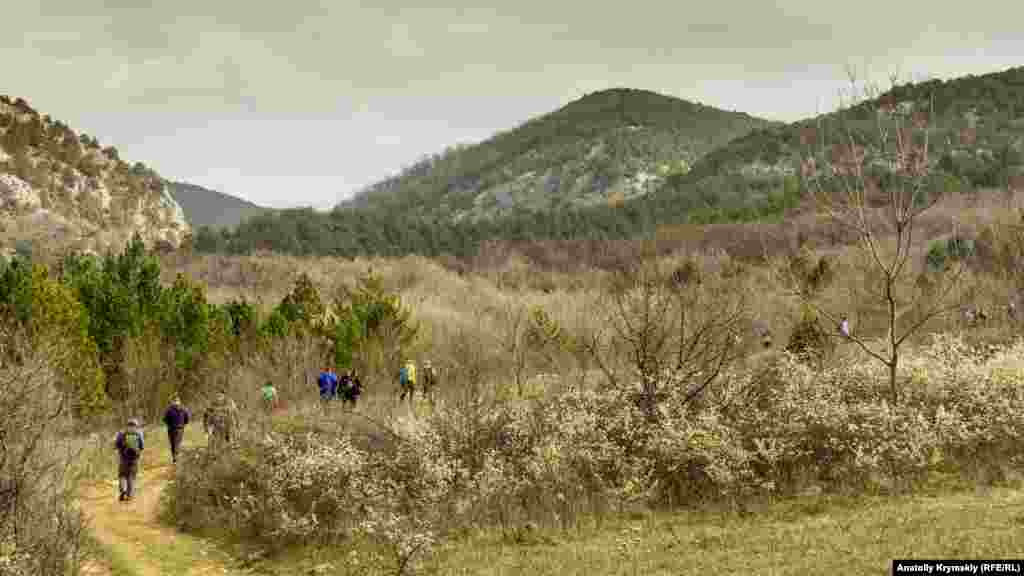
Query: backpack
[(132, 445), (403, 375), (269, 393)]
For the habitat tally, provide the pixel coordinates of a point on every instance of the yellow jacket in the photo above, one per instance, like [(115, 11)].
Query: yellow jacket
[(410, 370)]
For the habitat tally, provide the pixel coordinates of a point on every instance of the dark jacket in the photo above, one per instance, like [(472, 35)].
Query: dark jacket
[(119, 444), (177, 417), (354, 389)]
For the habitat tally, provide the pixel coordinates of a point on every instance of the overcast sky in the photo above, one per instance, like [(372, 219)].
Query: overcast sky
[(302, 102)]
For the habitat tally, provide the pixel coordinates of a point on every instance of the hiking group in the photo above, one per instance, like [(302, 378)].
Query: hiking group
[(407, 381), (348, 387), (221, 418), (219, 421)]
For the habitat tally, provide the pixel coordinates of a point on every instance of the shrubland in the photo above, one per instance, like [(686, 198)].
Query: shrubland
[(568, 398), (573, 392)]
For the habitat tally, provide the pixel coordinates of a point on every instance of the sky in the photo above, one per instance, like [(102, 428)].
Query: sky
[(303, 102)]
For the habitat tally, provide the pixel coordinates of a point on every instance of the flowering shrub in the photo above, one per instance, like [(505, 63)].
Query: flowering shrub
[(589, 450)]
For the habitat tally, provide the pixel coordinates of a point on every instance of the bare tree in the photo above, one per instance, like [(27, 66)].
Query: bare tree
[(873, 182), (671, 333), (41, 532), (514, 341)]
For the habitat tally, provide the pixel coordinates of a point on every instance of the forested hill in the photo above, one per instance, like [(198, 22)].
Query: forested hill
[(977, 132), (607, 146), (978, 141)]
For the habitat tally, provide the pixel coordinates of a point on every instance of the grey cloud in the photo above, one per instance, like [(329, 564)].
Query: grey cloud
[(198, 88)]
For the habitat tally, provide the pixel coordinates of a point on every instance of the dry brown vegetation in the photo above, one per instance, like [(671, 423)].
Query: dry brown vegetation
[(565, 278), (531, 429)]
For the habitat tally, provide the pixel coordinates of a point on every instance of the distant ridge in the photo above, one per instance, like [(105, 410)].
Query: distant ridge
[(205, 207)]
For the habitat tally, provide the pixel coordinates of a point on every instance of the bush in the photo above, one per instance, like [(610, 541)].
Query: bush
[(809, 339), (941, 253), (580, 451), (41, 532)]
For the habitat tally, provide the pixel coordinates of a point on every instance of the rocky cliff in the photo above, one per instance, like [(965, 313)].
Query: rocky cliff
[(61, 190)]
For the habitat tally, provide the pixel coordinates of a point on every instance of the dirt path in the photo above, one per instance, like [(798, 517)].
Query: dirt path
[(137, 542)]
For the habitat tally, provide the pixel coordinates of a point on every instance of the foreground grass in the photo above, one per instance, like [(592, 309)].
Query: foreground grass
[(811, 535)]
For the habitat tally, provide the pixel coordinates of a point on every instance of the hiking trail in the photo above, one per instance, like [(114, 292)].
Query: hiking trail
[(136, 542)]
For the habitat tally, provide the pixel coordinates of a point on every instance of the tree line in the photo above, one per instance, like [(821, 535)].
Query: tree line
[(122, 328)]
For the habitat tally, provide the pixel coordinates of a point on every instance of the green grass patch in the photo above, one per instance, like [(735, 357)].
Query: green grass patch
[(808, 535)]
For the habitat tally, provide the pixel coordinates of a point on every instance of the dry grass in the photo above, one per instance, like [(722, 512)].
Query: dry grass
[(565, 278)]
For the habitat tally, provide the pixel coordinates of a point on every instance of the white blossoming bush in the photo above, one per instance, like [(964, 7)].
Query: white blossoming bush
[(586, 450)]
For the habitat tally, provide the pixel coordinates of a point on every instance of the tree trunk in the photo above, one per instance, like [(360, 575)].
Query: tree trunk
[(892, 379)]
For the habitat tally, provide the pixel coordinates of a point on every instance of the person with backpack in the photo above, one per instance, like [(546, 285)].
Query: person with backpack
[(344, 386), (353, 389), (129, 445), (176, 418), (429, 380), (269, 394), (407, 380), (328, 385), (220, 421), (333, 375)]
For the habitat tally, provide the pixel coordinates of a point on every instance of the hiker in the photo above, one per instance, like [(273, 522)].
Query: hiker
[(969, 315), (221, 420), (269, 395), (429, 380), (982, 315), (407, 380), (354, 388), (328, 384), (975, 315), (1011, 310), (176, 418), (129, 445), (844, 327), (344, 386), (335, 382)]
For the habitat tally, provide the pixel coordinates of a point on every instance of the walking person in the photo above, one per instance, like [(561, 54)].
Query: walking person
[(328, 384), (354, 388), (129, 445), (844, 327), (344, 386), (429, 380), (407, 380), (221, 421), (268, 394), (176, 418)]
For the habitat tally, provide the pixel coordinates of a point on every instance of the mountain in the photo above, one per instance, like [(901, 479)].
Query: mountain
[(454, 202), (59, 188), (976, 141), (205, 207), (605, 148)]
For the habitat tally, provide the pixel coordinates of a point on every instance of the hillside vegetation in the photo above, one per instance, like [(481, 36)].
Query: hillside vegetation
[(977, 140), (60, 189), (573, 173), (606, 147)]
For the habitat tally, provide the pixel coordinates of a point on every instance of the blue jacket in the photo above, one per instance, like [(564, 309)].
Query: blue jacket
[(328, 383), (177, 417)]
